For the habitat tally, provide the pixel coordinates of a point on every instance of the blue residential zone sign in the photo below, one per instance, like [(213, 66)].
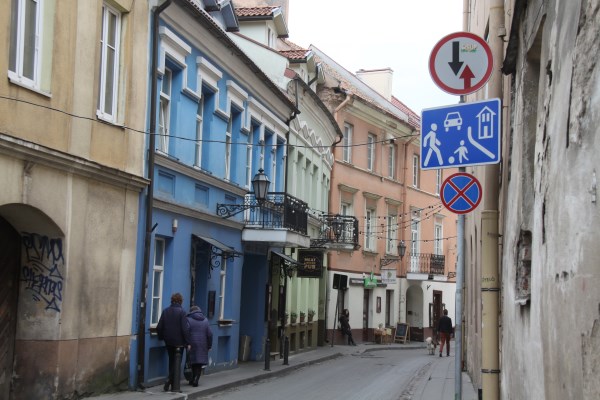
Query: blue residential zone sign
[(461, 135)]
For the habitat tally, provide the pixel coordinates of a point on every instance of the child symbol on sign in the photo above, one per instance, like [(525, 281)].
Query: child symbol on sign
[(462, 152)]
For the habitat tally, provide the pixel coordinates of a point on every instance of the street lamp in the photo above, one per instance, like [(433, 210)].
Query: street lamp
[(260, 184), (401, 249)]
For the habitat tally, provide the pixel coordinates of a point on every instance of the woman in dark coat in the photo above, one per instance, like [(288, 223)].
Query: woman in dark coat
[(345, 325), (200, 340)]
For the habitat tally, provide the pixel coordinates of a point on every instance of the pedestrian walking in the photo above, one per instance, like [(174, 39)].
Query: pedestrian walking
[(200, 340), (173, 327), (345, 325), (444, 330)]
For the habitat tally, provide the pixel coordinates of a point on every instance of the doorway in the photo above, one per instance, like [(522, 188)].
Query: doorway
[(366, 305), (437, 309), (10, 248)]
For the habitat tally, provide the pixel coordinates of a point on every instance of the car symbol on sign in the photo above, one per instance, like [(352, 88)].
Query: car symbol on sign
[(453, 119)]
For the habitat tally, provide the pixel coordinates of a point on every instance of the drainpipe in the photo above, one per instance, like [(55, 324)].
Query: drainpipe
[(141, 336), (490, 279)]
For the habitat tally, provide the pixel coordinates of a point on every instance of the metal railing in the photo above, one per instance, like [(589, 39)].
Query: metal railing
[(427, 263), (279, 210), (337, 229)]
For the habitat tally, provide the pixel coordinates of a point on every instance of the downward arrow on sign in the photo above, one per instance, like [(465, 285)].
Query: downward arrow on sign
[(455, 64), (466, 76)]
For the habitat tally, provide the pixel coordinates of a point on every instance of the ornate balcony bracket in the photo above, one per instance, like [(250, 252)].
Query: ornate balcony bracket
[(229, 210), (387, 261)]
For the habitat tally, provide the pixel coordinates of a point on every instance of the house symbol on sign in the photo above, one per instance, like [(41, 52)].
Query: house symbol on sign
[(486, 123)]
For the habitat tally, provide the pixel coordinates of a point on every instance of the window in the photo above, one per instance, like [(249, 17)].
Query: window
[(369, 232), (249, 157), (438, 239), (157, 280), (199, 119), (392, 162), (223, 285), (25, 46), (228, 148), (392, 228), (347, 143), (415, 170), (164, 114), (414, 245), (370, 152), (438, 181), (109, 64)]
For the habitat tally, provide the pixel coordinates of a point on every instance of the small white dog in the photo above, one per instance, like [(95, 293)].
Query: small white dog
[(431, 345)]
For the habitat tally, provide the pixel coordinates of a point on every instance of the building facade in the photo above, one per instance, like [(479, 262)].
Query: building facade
[(403, 271), (71, 156), (544, 211)]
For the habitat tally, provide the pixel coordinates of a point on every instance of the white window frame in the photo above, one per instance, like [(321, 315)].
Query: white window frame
[(438, 234), (370, 151), (415, 243), (18, 36), (369, 234), (157, 287), (415, 171), (274, 162), (249, 157), (347, 143), (223, 286), (105, 90), (199, 132), (438, 181), (392, 162), (164, 114), (228, 148), (392, 234)]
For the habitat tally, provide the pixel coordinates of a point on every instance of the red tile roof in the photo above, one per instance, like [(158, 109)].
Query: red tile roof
[(254, 11), (413, 118), (294, 54)]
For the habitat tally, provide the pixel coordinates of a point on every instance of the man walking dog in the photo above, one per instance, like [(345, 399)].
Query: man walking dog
[(444, 330)]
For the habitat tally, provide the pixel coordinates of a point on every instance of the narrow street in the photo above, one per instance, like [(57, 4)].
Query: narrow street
[(385, 374)]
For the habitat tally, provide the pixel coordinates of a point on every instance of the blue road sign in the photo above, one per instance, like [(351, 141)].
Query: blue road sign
[(461, 193), (461, 135)]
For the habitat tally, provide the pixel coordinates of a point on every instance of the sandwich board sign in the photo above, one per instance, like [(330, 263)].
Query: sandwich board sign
[(460, 135), (461, 63)]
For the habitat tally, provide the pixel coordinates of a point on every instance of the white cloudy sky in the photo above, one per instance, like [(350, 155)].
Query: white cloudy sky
[(399, 34)]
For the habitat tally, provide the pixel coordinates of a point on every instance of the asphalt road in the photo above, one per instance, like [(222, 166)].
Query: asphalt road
[(378, 375)]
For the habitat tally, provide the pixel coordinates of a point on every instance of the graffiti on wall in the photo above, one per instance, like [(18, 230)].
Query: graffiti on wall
[(43, 261)]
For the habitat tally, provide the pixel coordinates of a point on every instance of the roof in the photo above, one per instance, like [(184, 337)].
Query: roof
[(352, 84), (413, 118), (242, 12), (294, 55)]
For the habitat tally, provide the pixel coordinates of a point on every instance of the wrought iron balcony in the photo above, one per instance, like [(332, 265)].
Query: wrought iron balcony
[(278, 210), (337, 231), (427, 263)]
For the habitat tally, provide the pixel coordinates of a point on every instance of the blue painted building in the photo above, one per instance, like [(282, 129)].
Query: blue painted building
[(217, 120)]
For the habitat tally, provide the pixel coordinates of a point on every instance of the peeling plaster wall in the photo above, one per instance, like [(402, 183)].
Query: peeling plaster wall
[(550, 345)]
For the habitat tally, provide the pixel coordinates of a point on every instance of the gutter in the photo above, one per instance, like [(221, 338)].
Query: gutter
[(141, 334)]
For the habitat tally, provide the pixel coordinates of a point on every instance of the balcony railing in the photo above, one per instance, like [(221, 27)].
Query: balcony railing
[(337, 231), (427, 263), (279, 210)]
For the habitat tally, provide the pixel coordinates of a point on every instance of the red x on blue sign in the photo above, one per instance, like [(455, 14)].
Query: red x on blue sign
[(461, 193)]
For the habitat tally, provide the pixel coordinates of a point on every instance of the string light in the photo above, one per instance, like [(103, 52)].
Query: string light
[(195, 140)]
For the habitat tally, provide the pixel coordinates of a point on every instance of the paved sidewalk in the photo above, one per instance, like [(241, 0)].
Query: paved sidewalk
[(438, 382)]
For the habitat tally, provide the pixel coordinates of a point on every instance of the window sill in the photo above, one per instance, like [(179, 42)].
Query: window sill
[(108, 120), (225, 322), (15, 81)]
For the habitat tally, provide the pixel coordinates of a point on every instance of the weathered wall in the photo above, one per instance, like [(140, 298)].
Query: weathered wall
[(549, 342)]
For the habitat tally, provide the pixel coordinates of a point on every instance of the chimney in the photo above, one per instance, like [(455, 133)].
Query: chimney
[(378, 79)]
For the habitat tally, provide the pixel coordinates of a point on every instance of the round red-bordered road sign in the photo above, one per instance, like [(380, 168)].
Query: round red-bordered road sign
[(461, 193), (461, 63)]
